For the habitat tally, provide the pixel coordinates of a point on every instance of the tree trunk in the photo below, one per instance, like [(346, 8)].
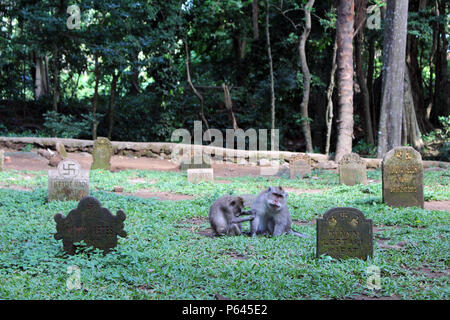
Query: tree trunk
[(344, 35), (229, 105), (441, 101), (255, 11), (40, 77), (269, 54), (306, 77), (189, 80), (329, 112), (56, 79), (369, 81), (95, 101), (390, 127), (410, 126), (360, 17), (111, 103)]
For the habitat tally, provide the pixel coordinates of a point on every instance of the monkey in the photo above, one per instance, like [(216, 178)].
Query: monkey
[(271, 214), (224, 215)]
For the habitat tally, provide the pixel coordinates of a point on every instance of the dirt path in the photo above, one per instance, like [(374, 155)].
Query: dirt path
[(34, 162)]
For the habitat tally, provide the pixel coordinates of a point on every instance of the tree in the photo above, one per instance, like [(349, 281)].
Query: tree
[(344, 37), (393, 73)]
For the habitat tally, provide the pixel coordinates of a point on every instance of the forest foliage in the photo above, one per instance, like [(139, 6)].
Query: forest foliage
[(129, 70)]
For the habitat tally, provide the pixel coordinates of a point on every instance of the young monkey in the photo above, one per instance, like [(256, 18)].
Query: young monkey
[(272, 214), (224, 215)]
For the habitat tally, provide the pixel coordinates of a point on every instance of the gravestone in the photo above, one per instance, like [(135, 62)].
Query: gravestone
[(102, 153), (344, 233), (299, 166), (61, 149), (352, 170), (197, 175), (92, 223), (402, 171), (197, 161), (2, 159), (68, 182)]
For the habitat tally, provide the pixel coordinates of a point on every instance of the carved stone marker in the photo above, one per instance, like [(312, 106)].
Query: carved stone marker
[(68, 182), (344, 233), (61, 149), (102, 153), (90, 222), (197, 175), (2, 159), (299, 166), (352, 170), (403, 178)]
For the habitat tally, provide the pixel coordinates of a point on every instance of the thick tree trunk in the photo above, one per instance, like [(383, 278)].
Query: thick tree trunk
[(111, 104), (40, 77), (269, 54), (394, 51), (344, 35), (411, 132), (306, 77)]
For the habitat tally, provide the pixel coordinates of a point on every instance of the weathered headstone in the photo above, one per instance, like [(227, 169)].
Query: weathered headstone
[(102, 153), (344, 233), (197, 175), (299, 166), (2, 159), (61, 149), (403, 178), (352, 170), (92, 223), (68, 182)]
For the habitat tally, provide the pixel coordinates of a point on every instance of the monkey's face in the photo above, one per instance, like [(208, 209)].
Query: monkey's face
[(276, 198), (237, 204)]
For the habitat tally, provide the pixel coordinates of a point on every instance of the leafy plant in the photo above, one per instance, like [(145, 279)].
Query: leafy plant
[(63, 126)]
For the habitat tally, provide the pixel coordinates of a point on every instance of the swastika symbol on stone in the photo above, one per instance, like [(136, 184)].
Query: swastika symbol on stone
[(68, 168)]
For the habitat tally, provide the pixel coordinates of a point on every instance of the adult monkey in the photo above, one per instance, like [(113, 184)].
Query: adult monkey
[(272, 214)]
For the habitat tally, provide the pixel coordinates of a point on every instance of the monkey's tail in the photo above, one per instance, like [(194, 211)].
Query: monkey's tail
[(298, 234)]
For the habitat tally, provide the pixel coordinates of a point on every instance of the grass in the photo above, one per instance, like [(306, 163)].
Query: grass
[(164, 256)]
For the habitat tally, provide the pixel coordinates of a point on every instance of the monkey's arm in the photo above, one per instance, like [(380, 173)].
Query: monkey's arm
[(239, 220), (247, 213)]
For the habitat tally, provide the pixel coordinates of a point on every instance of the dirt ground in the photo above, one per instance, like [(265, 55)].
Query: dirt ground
[(31, 161)]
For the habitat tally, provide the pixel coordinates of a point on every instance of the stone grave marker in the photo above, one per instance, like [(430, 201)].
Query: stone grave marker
[(61, 149), (2, 159), (197, 175), (344, 233), (402, 172), (68, 182), (352, 170), (299, 166), (90, 222), (102, 153), (199, 161)]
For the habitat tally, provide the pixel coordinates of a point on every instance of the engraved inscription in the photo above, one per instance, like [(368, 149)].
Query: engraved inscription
[(403, 178), (344, 233)]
